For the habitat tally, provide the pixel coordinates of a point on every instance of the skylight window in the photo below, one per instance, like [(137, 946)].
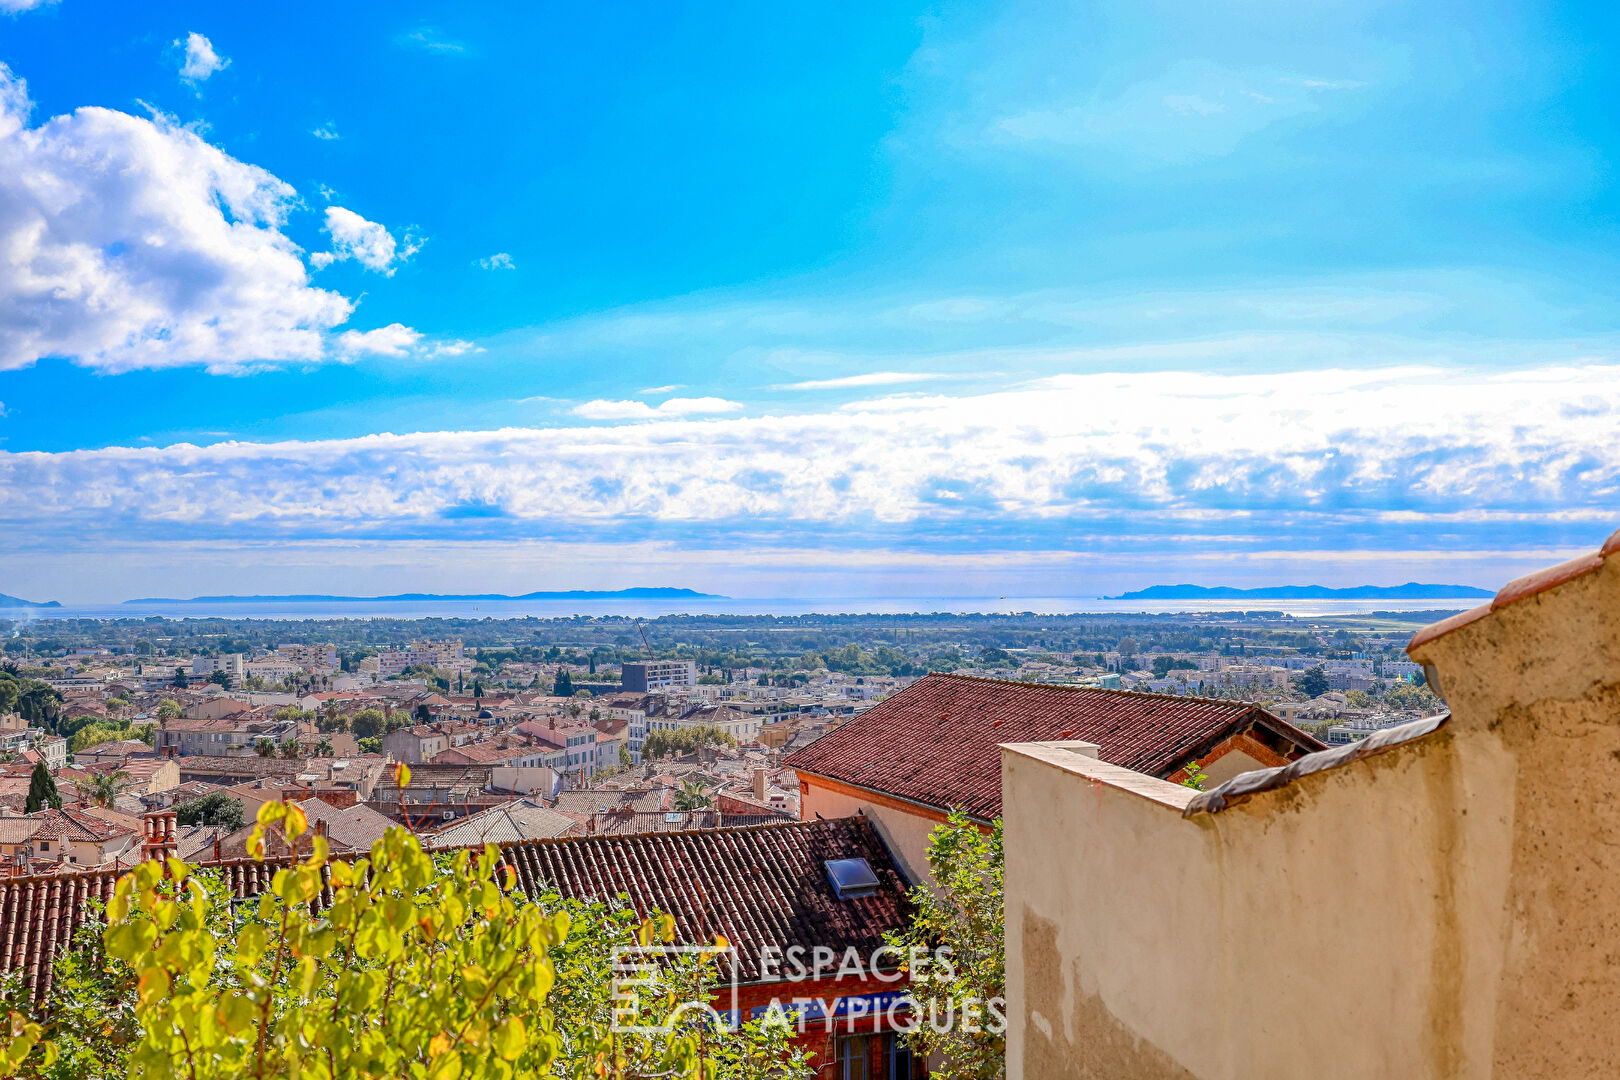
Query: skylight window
[(851, 878)]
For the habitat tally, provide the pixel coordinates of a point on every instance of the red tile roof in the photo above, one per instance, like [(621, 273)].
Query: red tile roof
[(760, 886), (1521, 588), (936, 741)]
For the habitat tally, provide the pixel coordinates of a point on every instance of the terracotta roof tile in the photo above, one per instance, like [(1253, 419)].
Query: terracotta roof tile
[(936, 742), (760, 886)]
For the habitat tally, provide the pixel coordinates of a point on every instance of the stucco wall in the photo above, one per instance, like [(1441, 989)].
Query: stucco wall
[(1450, 908), (904, 830)]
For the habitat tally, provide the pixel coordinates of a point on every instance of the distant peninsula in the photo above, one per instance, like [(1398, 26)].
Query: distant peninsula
[(18, 602), (1412, 590), (313, 598)]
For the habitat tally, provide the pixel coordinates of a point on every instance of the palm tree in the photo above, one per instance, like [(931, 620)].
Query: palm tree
[(103, 788), (690, 796), (264, 748)]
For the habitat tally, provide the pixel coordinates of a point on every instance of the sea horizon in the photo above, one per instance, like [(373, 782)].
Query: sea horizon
[(654, 607)]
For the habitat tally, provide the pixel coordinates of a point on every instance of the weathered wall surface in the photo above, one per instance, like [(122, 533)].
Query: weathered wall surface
[(1447, 909)]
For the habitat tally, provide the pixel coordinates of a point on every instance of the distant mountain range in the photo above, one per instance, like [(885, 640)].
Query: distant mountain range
[(1412, 590), (18, 602), (573, 594)]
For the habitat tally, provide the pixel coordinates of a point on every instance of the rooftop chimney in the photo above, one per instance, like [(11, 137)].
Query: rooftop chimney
[(159, 841), (759, 784)]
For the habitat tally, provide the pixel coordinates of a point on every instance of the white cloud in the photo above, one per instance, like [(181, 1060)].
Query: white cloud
[(326, 193), (498, 261), (201, 61), (652, 390), (398, 340), (640, 410), (129, 243), (394, 339), (871, 378), (13, 7), (327, 132), (1322, 454), (366, 242), (132, 243)]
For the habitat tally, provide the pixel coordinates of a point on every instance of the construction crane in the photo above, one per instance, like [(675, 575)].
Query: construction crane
[(644, 643)]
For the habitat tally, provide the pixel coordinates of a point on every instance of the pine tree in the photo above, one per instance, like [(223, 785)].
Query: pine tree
[(42, 790)]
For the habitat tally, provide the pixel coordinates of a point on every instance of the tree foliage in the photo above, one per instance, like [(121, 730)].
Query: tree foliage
[(432, 969), (368, 724), (42, 790), (685, 740), (102, 789), (37, 702), (101, 730), (215, 808), (962, 915), (691, 796), (1313, 683)]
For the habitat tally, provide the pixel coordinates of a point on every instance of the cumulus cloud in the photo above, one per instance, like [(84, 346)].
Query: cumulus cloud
[(12, 7), (395, 339), (326, 132), (132, 243), (129, 243), (640, 410), (366, 242), (201, 61), (1329, 459), (498, 261)]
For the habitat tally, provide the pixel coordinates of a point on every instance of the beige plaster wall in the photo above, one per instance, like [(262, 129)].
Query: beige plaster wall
[(1229, 765), (904, 831), (1450, 908)]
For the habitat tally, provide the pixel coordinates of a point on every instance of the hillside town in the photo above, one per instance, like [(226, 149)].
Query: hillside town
[(790, 809), (519, 741)]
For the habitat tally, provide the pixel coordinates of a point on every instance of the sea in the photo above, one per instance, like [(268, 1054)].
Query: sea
[(654, 607)]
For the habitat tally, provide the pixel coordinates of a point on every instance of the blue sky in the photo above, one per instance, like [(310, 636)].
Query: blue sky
[(809, 300)]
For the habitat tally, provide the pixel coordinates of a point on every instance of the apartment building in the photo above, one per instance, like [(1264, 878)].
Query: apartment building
[(226, 736), (644, 676), (310, 657), (439, 654), (230, 663), (273, 669)]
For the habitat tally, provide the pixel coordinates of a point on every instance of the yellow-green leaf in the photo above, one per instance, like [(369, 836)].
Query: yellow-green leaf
[(510, 1038)]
